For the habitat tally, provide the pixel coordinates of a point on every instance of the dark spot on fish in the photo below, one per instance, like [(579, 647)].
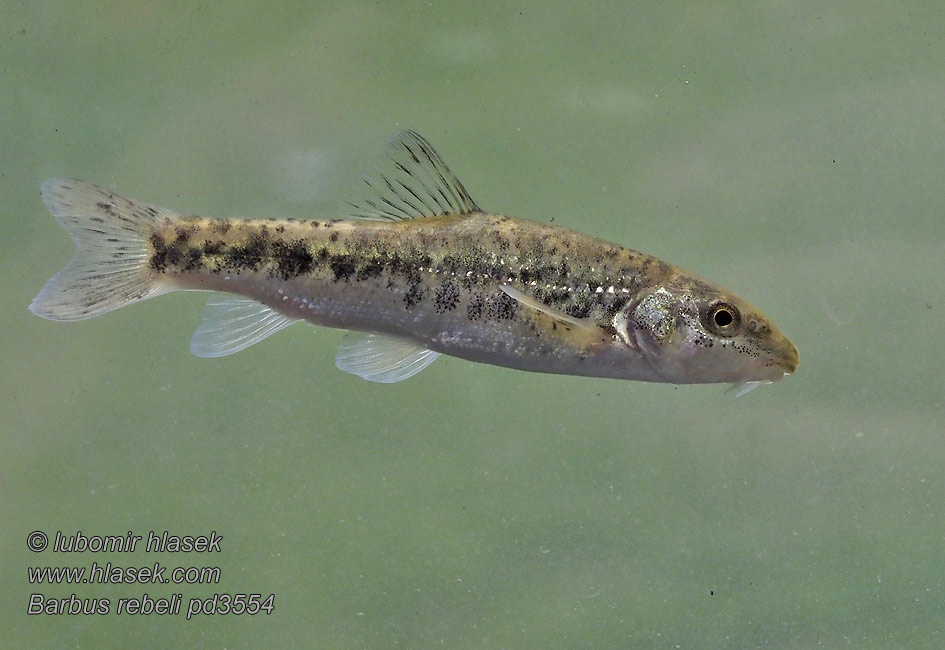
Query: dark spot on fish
[(446, 297), (451, 263), (413, 295), (579, 309), (213, 247), (176, 256), (342, 266), (222, 226), (333, 237), (314, 224), (501, 307), (292, 259), (191, 258), (248, 256), (371, 268), (475, 307), (159, 257), (615, 305), (107, 208), (183, 234), (501, 241), (404, 267)]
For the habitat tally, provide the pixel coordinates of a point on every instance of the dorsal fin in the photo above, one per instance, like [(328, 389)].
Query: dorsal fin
[(410, 182)]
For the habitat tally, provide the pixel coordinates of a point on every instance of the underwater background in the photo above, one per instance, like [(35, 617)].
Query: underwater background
[(792, 152)]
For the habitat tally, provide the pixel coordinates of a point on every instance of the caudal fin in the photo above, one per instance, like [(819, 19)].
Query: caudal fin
[(110, 266)]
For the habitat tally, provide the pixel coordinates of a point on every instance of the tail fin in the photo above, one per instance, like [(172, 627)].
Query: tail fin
[(110, 266)]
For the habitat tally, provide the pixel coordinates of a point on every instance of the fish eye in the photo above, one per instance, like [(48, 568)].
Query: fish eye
[(722, 318)]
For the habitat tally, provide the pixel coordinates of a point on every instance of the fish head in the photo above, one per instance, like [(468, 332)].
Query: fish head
[(691, 331)]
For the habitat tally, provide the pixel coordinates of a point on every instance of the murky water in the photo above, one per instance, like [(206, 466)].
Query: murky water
[(794, 154)]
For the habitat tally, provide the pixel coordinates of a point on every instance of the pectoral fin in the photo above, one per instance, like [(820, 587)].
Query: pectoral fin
[(583, 325), (745, 387)]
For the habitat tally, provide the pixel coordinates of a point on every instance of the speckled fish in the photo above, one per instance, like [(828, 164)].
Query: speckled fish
[(420, 271)]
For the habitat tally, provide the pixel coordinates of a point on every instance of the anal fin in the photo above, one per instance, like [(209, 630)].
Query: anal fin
[(231, 324)]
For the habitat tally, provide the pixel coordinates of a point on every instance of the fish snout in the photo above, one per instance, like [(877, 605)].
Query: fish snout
[(784, 356)]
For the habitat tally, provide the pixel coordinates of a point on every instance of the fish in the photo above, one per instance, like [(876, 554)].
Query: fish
[(417, 271)]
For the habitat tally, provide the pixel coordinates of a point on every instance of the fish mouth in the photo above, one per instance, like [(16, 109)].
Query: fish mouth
[(790, 363), (780, 362), (775, 372), (778, 372), (775, 368)]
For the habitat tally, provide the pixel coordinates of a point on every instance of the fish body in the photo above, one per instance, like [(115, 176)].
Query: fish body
[(421, 271)]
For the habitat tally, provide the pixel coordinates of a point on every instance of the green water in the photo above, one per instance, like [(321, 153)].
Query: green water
[(791, 151)]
